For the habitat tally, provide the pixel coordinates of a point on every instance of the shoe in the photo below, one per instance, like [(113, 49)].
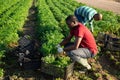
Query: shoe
[(88, 67)]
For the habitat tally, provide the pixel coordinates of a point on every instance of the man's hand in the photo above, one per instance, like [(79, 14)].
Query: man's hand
[(60, 50)]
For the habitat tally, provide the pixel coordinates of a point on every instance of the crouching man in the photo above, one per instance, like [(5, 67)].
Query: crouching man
[(83, 47)]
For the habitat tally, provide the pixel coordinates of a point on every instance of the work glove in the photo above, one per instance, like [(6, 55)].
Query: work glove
[(60, 50)]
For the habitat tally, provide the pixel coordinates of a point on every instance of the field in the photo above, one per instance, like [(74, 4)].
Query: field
[(44, 21)]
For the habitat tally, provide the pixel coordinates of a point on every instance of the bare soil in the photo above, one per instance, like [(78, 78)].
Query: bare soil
[(108, 5)]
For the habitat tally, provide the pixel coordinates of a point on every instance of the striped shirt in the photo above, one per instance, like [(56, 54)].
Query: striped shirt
[(85, 14)]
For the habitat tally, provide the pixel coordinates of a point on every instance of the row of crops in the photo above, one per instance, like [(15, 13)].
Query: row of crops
[(13, 14), (51, 27)]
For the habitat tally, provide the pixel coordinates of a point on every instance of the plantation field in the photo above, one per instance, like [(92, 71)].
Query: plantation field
[(44, 21)]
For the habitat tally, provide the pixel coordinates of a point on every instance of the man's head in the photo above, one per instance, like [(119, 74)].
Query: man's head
[(71, 21), (97, 17)]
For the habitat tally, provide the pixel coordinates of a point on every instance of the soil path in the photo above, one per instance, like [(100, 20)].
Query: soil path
[(30, 24), (108, 5)]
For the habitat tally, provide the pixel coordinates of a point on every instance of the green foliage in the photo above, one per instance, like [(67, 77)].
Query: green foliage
[(65, 29), (1, 72), (118, 18), (2, 54), (109, 23), (51, 39), (59, 61), (48, 59)]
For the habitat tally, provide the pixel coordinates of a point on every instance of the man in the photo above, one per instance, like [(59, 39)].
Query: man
[(84, 45), (86, 14)]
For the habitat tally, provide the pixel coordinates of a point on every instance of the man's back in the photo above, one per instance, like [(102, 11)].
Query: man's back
[(86, 12)]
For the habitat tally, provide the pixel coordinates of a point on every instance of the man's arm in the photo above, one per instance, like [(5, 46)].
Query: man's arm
[(75, 46), (66, 40), (91, 26)]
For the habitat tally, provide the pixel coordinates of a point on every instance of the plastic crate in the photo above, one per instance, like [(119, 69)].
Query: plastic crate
[(54, 71), (112, 46), (111, 42)]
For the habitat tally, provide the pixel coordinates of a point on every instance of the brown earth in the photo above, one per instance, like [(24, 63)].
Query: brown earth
[(116, 0), (108, 5)]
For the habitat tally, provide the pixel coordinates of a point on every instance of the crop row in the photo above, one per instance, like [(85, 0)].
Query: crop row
[(9, 14), (6, 5), (12, 21), (48, 30)]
